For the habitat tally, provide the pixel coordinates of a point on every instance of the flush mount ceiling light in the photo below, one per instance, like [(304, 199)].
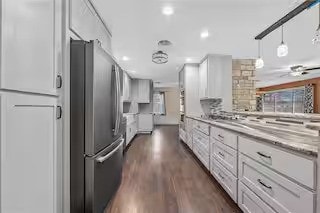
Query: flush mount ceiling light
[(160, 57), (282, 50), (125, 58), (316, 39), (168, 11), (204, 34), (259, 61)]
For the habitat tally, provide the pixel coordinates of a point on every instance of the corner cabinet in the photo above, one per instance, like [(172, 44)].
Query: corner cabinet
[(31, 39), (31, 156), (215, 79), (142, 91)]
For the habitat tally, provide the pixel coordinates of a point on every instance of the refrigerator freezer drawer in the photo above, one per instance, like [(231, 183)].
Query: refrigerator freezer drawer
[(103, 177)]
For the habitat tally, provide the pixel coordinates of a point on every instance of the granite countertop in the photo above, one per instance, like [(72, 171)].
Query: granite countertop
[(289, 138)]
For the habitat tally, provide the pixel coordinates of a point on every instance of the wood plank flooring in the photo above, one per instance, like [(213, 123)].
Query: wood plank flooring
[(161, 176)]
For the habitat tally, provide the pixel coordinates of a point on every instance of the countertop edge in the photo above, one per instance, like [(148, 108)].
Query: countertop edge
[(300, 150)]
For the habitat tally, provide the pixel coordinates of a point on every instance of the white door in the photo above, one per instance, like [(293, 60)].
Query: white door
[(29, 163), (30, 45), (203, 79)]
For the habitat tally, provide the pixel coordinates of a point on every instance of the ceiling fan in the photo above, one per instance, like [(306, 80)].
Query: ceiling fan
[(299, 70)]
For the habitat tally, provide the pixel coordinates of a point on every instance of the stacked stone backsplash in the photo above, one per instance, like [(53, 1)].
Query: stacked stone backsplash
[(243, 86)]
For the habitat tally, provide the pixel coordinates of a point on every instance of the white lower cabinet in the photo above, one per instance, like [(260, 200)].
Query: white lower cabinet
[(145, 122), (182, 134), (30, 154), (251, 203), (227, 156), (274, 189), (227, 180)]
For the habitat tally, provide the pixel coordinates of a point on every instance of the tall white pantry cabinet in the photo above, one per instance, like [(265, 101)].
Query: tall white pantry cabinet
[(31, 124)]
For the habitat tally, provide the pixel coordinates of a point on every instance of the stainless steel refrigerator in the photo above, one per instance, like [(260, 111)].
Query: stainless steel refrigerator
[(96, 136)]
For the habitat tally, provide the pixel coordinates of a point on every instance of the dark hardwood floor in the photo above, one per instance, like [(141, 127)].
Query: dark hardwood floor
[(160, 175)]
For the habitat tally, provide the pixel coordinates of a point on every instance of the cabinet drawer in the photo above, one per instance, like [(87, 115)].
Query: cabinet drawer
[(202, 138), (227, 156), (251, 203), (202, 155), (202, 127), (225, 137), (274, 189), (189, 124), (182, 135), (225, 178), (293, 166)]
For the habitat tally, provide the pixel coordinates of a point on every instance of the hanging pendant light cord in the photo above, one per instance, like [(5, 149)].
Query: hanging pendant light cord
[(259, 49), (319, 17)]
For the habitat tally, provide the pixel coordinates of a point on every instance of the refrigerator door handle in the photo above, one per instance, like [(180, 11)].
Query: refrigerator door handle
[(118, 113), (106, 157), (115, 129)]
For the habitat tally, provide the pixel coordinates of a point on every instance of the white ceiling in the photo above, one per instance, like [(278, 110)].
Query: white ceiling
[(138, 25)]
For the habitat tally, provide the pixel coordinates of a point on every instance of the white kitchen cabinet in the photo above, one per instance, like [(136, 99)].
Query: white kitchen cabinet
[(31, 37), (277, 191), (281, 161), (126, 96), (87, 23), (215, 79), (203, 79), (227, 180), (189, 84), (142, 91), (30, 154), (132, 127), (145, 122), (251, 203)]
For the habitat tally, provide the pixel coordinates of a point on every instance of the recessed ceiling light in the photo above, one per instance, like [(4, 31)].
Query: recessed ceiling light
[(132, 71), (168, 11), (125, 58), (204, 34), (188, 59)]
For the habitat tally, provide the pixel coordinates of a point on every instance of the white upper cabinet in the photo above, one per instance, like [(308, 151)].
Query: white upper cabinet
[(30, 155), (203, 79), (142, 90), (215, 79), (126, 96), (86, 23), (30, 45)]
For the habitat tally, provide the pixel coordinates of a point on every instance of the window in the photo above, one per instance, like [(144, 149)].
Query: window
[(159, 105), (291, 101)]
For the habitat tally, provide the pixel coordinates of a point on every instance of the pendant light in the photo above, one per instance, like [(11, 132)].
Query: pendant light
[(316, 39), (282, 50), (259, 61)]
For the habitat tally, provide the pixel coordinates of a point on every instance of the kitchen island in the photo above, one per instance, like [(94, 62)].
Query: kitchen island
[(265, 164)]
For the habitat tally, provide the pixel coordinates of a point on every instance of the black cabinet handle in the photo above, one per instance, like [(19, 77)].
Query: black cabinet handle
[(220, 153), (263, 184), (220, 136), (264, 155)]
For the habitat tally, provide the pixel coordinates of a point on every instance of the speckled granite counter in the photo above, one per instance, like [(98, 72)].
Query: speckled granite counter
[(288, 139)]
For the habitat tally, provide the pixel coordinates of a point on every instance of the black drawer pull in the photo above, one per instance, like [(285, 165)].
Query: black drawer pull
[(263, 184), (264, 155), (220, 153), (220, 136), (221, 176)]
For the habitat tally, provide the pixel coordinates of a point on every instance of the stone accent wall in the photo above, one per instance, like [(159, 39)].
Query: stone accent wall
[(243, 86)]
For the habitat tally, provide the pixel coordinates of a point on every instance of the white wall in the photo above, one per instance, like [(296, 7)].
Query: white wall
[(172, 106)]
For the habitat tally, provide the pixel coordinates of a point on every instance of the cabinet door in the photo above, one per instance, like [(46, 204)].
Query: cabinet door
[(84, 22), (144, 91), (29, 154), (145, 122), (203, 79), (31, 45)]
